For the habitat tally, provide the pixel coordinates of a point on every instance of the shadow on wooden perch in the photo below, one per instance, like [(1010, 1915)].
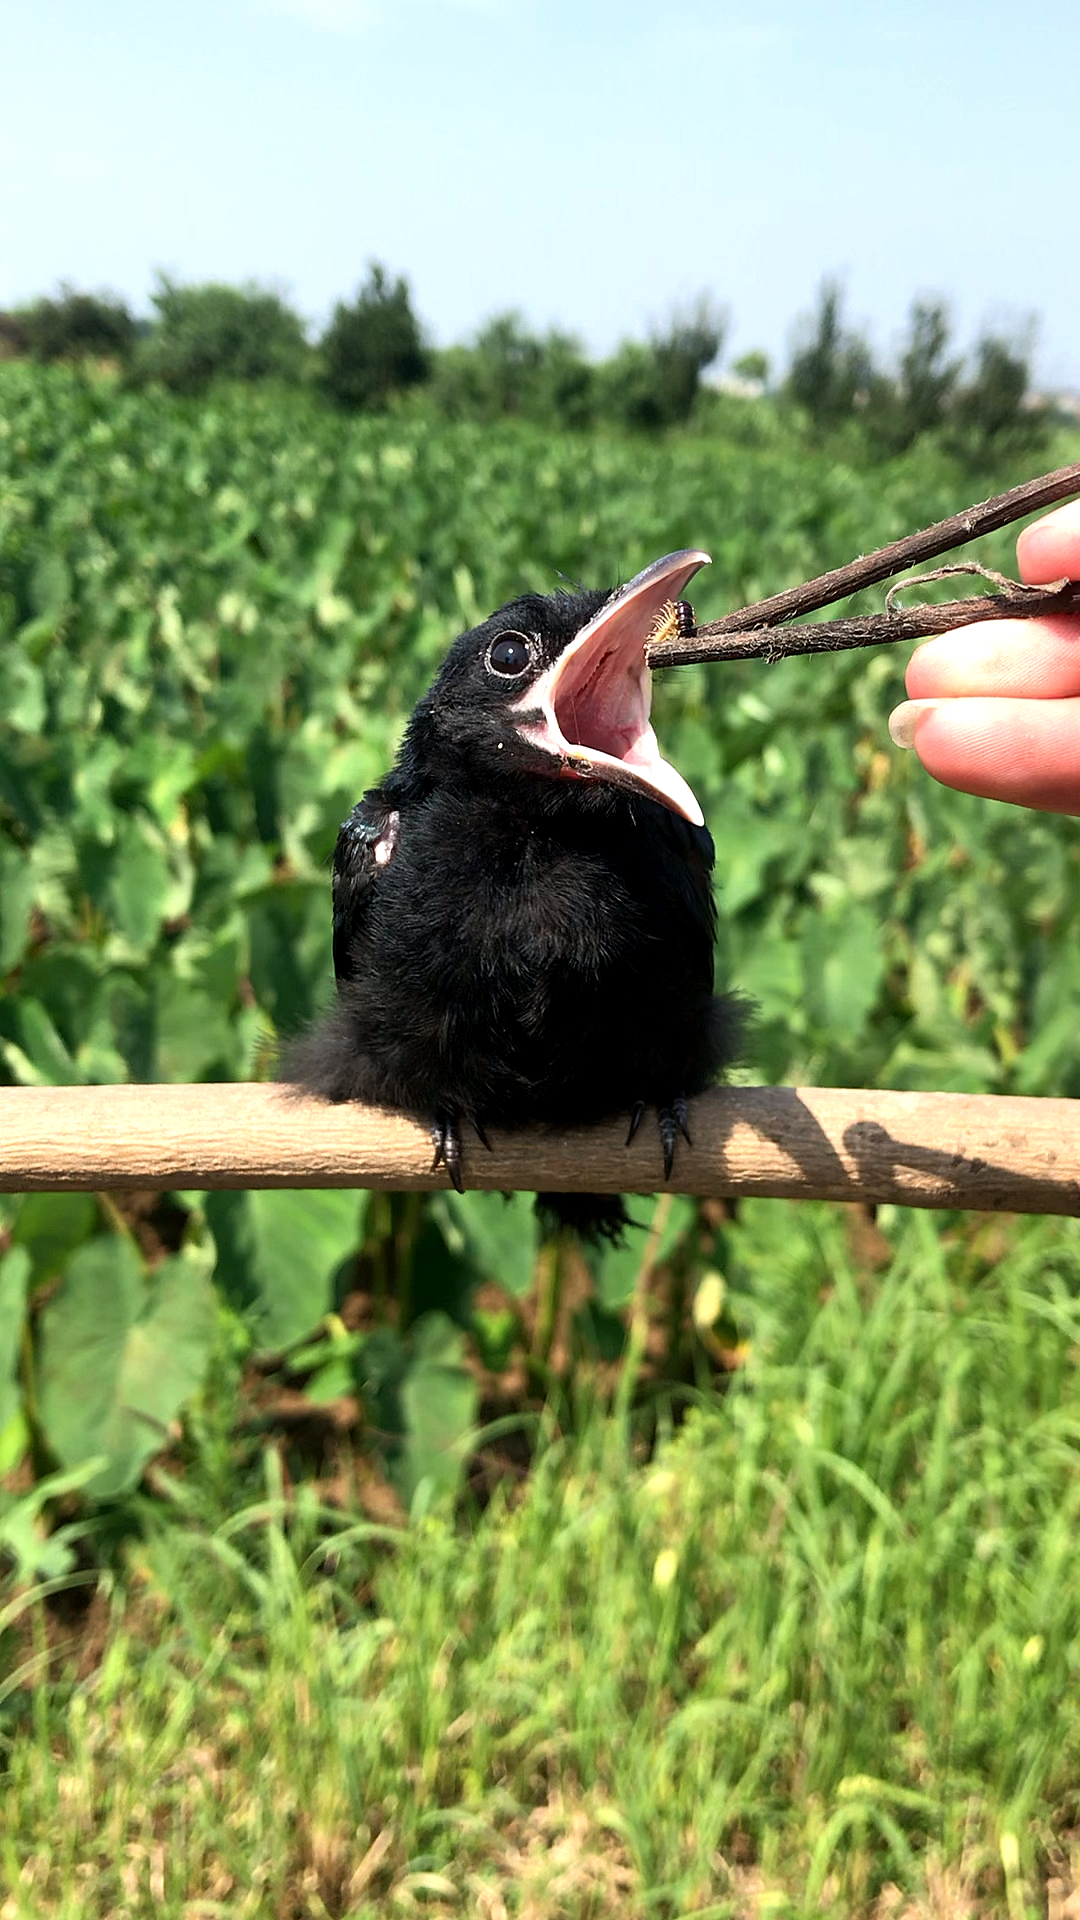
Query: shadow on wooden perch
[(985, 1152)]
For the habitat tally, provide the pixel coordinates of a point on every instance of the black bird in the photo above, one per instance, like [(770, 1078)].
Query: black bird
[(523, 914)]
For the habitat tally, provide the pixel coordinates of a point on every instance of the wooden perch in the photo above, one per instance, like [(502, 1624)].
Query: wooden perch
[(977, 1151)]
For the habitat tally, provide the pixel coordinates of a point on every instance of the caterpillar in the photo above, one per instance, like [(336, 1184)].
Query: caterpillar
[(675, 620)]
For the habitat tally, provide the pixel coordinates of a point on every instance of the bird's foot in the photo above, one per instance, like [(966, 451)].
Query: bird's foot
[(673, 1120), (446, 1138), (446, 1135)]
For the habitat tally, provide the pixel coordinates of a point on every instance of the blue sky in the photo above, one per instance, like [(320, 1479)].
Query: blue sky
[(593, 164)]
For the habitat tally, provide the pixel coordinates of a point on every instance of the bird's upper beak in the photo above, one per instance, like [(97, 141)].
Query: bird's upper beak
[(590, 708)]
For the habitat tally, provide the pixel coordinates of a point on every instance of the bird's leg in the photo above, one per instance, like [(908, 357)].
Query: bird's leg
[(673, 1120), (478, 1129), (637, 1115), (446, 1135)]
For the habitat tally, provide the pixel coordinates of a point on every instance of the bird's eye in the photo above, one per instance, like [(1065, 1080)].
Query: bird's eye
[(509, 656)]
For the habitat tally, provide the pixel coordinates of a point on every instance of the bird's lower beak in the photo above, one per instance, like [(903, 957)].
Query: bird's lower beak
[(590, 708)]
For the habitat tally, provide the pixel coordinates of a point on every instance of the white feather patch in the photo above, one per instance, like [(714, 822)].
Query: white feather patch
[(387, 841)]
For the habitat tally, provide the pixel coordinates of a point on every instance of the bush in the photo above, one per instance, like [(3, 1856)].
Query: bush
[(373, 348), (213, 332), (833, 370), (994, 412), (14, 341), (76, 326), (918, 398), (652, 386), (753, 366), (509, 370)]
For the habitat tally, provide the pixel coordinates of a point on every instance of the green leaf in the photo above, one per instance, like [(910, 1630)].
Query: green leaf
[(120, 1354), (439, 1401), (95, 811), (752, 843), (380, 1367), (844, 964), (500, 1234), (141, 883), (38, 1554), (617, 1269), (16, 902), (50, 1226), (37, 1056), (193, 1034), (22, 692), (495, 1333), (14, 1442), (50, 584), (442, 1275), (289, 931), (600, 1333), (279, 1254), (14, 1275)]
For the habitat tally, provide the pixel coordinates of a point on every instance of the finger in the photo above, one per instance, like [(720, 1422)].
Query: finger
[(1028, 659), (1050, 549), (1027, 751)]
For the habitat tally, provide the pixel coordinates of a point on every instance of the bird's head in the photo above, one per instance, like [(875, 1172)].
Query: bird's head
[(559, 686)]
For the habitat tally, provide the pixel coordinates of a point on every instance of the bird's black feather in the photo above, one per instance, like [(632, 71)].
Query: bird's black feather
[(513, 947)]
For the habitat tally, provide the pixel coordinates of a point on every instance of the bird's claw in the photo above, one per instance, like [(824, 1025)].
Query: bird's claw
[(446, 1136), (673, 1120)]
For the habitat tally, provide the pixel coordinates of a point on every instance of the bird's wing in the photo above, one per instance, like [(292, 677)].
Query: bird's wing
[(365, 848)]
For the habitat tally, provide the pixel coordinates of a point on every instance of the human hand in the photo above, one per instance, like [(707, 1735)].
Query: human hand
[(994, 708)]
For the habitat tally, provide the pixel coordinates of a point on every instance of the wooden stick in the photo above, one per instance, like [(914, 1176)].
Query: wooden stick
[(985, 517), (919, 1149), (866, 630)]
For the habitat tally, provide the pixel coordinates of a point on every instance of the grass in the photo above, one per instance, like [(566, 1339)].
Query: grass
[(814, 1651)]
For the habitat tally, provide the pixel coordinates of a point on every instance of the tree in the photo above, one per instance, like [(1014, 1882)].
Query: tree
[(994, 412), (508, 359), (13, 337), (833, 369), (916, 400), (509, 370), (654, 385), (214, 332), (927, 379), (373, 348), (78, 326), (752, 366)]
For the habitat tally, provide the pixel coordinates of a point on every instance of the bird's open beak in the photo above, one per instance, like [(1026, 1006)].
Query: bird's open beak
[(590, 708)]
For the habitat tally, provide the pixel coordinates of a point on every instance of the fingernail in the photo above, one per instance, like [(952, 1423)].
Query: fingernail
[(903, 718)]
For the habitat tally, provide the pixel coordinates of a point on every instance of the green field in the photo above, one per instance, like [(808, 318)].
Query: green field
[(343, 1578)]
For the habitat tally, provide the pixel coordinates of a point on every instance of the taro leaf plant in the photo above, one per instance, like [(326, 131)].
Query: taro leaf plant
[(215, 616)]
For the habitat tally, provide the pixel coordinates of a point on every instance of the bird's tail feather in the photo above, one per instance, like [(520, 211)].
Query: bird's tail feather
[(597, 1218)]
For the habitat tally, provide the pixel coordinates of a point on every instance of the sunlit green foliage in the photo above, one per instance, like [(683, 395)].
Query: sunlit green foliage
[(373, 347), (510, 371), (215, 621), (202, 334), (817, 1652), (983, 409), (75, 326), (818, 1646)]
